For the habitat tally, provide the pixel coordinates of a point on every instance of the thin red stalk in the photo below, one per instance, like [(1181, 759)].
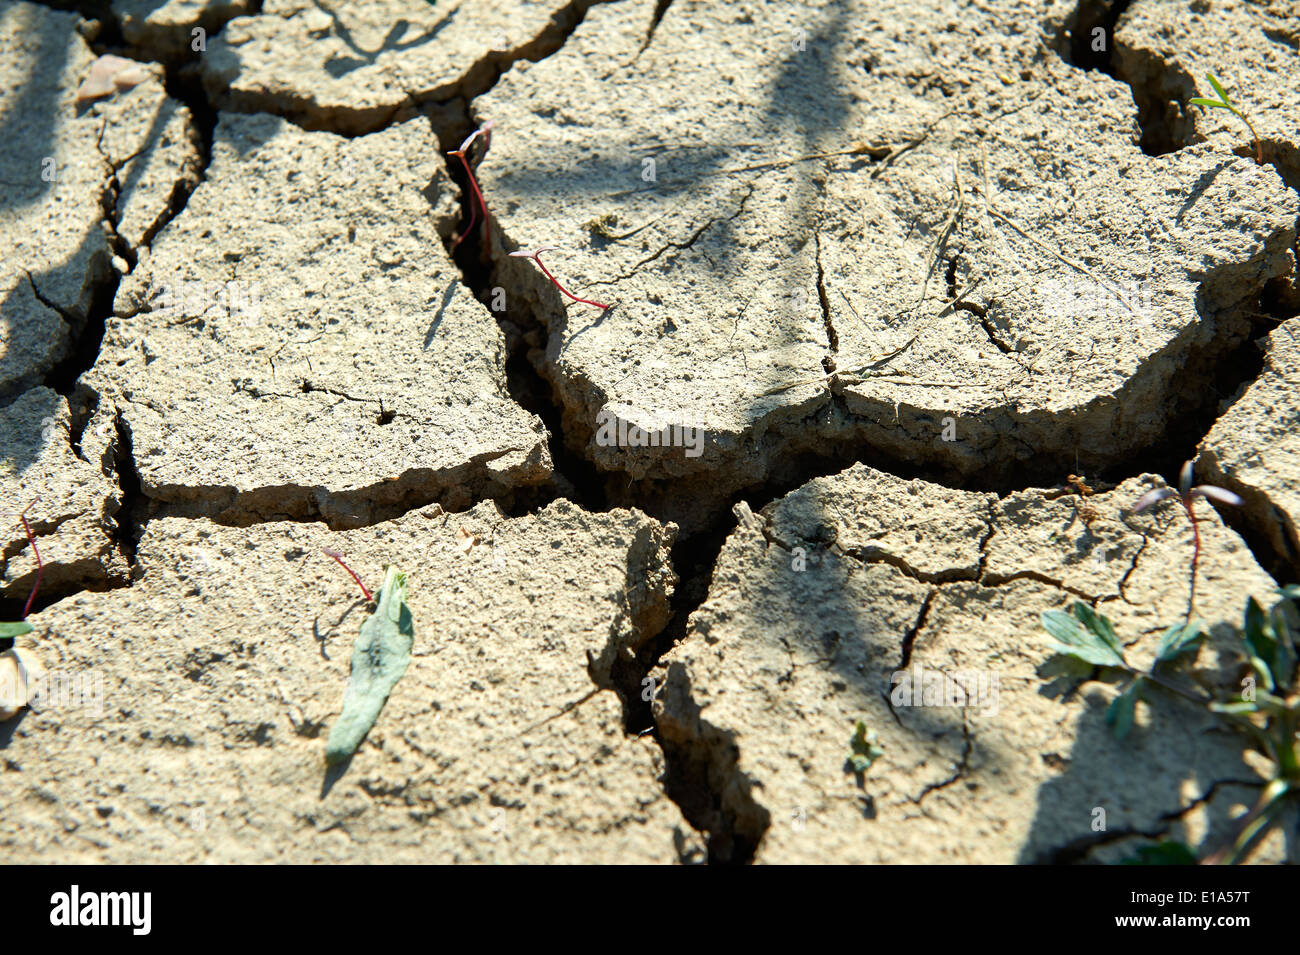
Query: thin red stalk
[(1196, 552), (547, 273), (40, 567), (486, 132), (487, 223), (473, 209), (339, 558)]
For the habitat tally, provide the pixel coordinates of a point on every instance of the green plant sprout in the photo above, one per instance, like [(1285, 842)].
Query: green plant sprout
[(10, 630), (380, 656), (1267, 710), (1224, 103), (1268, 714), (864, 749), (1187, 495), (1086, 639)]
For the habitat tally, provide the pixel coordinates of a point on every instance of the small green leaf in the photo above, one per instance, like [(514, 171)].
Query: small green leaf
[(1061, 625), (1119, 715), (1179, 639), (15, 629), (1085, 636), (1255, 620), (1169, 852), (1202, 101), (865, 748), (1284, 656), (1099, 625), (1259, 636), (379, 658), (1218, 88)]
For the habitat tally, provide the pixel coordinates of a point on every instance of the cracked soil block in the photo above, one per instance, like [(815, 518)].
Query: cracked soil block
[(298, 343), (815, 604), (867, 239), (221, 670)]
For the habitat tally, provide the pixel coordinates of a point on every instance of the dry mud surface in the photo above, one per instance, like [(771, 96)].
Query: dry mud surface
[(874, 279)]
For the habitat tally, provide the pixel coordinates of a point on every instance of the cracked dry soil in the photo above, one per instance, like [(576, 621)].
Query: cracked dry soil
[(882, 275)]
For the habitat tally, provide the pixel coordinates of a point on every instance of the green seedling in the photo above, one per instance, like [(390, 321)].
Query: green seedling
[(1085, 639), (10, 630), (1224, 103), (537, 257), (462, 154), (864, 749), (1267, 710), (1187, 496), (379, 658)]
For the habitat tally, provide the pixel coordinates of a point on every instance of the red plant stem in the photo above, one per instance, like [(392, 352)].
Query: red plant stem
[(473, 182), (339, 558), (1196, 552), (40, 567), (473, 217), (547, 273)]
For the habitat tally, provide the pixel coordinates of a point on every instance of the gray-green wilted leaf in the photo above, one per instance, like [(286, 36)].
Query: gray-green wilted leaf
[(15, 629), (1084, 635), (379, 658)]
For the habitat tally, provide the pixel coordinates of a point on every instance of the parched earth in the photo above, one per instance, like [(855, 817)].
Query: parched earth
[(902, 305)]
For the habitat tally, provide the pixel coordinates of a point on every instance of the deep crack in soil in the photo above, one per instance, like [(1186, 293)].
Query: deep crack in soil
[(1160, 91)]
